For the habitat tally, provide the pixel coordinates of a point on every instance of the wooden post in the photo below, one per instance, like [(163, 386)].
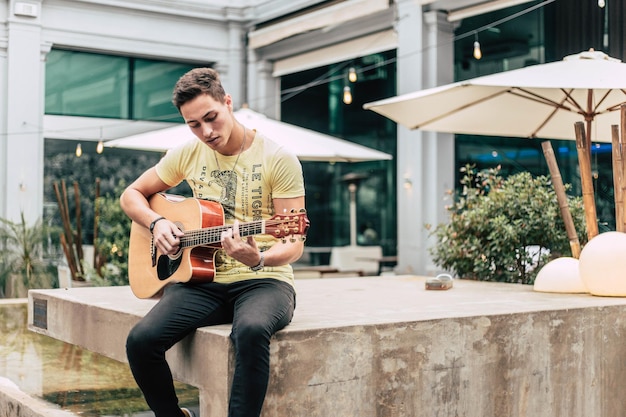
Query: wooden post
[(618, 177), (71, 242), (78, 239), (559, 188), (66, 236), (584, 162), (96, 218)]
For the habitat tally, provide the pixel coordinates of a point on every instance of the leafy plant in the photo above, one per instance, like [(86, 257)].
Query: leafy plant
[(21, 255), (113, 241), (493, 223)]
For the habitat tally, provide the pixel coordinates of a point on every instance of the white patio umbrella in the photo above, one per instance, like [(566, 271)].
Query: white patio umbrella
[(545, 101), (542, 101), (307, 144)]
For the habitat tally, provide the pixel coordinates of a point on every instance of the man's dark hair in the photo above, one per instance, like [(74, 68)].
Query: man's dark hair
[(196, 82)]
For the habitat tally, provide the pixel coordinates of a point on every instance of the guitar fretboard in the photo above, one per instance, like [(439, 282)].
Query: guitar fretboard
[(210, 235)]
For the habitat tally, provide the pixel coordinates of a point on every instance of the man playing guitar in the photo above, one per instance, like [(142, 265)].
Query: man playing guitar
[(251, 283)]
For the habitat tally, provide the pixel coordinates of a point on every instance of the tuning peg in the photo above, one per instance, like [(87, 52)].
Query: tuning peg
[(292, 239), (303, 238)]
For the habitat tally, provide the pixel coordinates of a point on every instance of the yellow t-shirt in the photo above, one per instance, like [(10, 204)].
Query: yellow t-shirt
[(245, 188)]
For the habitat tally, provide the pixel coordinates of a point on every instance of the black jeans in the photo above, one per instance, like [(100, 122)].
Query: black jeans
[(258, 308)]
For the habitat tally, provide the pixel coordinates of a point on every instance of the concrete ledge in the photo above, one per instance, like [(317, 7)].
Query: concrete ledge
[(16, 403), (383, 346)]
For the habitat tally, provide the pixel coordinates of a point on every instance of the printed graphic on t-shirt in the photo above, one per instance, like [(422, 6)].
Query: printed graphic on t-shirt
[(227, 181)]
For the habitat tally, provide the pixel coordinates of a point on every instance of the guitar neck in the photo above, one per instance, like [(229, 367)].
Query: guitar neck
[(211, 235)]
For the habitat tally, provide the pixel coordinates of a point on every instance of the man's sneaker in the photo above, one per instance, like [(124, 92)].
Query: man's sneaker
[(187, 412)]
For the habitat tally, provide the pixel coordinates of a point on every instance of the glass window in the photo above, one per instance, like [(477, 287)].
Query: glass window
[(83, 84), (153, 82), (96, 85), (314, 99)]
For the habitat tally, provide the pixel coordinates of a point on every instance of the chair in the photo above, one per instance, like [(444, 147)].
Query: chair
[(356, 258)]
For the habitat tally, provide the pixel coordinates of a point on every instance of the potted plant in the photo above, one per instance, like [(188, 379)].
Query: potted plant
[(22, 265)]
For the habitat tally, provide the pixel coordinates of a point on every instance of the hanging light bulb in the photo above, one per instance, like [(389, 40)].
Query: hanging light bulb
[(601, 3), (347, 95), (79, 150), (352, 75), (477, 52), (100, 147)]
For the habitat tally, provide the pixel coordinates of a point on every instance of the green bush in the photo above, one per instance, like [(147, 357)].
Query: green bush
[(495, 220), (113, 240)]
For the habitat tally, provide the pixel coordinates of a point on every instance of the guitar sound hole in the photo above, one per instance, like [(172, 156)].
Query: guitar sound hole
[(166, 266)]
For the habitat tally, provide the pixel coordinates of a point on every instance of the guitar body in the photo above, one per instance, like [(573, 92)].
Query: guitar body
[(190, 263)]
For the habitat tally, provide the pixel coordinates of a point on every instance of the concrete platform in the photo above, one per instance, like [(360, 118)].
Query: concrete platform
[(386, 347)]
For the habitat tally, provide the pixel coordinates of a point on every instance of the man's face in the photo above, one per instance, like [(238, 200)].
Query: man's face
[(211, 121)]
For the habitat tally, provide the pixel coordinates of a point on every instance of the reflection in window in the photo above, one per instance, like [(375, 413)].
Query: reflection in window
[(96, 85), (81, 84), (313, 99)]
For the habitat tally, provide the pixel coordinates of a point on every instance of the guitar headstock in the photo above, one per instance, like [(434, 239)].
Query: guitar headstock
[(288, 224)]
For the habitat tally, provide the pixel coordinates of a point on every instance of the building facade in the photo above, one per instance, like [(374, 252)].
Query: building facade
[(289, 59)]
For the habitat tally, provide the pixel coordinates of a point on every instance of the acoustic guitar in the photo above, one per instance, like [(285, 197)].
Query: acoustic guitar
[(202, 221)]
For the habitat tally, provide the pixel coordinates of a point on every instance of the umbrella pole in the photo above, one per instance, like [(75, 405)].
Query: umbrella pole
[(559, 188), (622, 184), (584, 161), (618, 177)]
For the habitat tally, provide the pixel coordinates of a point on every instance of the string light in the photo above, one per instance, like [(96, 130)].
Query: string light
[(100, 147), (79, 150), (477, 52), (289, 93), (347, 95), (352, 75), (601, 3)]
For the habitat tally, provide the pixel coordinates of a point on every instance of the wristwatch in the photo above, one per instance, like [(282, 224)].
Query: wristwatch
[(260, 265)]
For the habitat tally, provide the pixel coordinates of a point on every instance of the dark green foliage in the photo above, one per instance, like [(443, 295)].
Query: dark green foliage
[(110, 167), (114, 168), (113, 239), (494, 220)]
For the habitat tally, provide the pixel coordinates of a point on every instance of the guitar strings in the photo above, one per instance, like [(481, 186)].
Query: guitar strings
[(197, 237)]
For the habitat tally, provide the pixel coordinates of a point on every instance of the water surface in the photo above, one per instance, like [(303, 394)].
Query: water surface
[(76, 379)]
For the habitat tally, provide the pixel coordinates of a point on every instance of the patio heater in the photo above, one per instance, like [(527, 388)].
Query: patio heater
[(353, 179)]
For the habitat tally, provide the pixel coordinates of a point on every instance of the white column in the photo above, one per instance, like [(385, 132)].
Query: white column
[(251, 85), (439, 147), (409, 69), (3, 115), (263, 89), (425, 159), (23, 171), (233, 83)]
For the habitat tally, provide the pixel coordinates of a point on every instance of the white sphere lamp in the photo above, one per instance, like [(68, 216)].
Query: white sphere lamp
[(602, 264), (560, 275)]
